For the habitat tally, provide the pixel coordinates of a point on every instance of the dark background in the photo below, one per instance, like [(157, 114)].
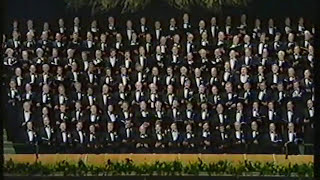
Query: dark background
[(51, 10)]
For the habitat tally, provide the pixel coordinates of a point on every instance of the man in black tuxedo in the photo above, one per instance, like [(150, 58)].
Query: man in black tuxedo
[(63, 139), (292, 139), (111, 140), (29, 140), (222, 139), (205, 139), (159, 139), (189, 143), (253, 139), (174, 139), (272, 141), (79, 139), (93, 140), (238, 139), (128, 134), (46, 137), (25, 116), (143, 141)]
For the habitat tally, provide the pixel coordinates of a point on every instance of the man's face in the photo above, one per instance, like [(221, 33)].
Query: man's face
[(202, 24), (237, 126), (213, 21), (172, 22), (272, 127), (280, 87), (76, 21), (45, 88), (188, 128), (91, 128), (190, 37), (61, 22), (46, 121), (110, 126), (58, 37), (205, 126), (143, 20), (270, 105), (275, 68), (219, 108), (143, 105), (46, 68), (158, 127), (129, 24), (79, 125), (254, 126), (29, 125), (111, 20), (110, 108), (78, 105), (158, 105), (63, 126), (173, 126), (62, 108), (214, 90), (309, 103), (26, 106), (93, 109), (289, 105), (157, 24), (290, 127), (185, 17)]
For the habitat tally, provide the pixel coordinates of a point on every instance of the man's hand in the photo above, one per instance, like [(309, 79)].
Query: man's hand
[(207, 143)]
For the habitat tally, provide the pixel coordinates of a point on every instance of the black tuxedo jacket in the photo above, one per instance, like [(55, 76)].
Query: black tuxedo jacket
[(45, 137), (234, 138), (48, 101), (177, 141), (132, 132), (86, 101), (25, 137), (76, 138), (10, 44), (250, 138), (107, 138), (59, 138)]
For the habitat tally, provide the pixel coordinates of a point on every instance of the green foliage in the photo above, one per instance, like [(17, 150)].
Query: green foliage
[(136, 5), (173, 168)]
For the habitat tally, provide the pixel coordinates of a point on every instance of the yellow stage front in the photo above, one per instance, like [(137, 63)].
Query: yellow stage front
[(101, 159)]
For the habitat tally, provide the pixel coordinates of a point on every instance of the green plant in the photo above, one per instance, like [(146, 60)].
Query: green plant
[(160, 168)]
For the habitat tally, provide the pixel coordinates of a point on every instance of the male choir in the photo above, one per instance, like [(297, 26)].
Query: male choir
[(144, 87)]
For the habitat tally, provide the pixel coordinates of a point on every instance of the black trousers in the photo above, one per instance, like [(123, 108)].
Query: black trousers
[(254, 149), (47, 149), (293, 149), (142, 150), (63, 149), (205, 150), (126, 148), (237, 149)]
